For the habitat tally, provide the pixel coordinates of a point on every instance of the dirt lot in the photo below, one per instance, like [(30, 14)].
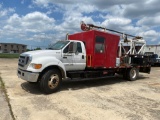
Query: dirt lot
[(102, 99)]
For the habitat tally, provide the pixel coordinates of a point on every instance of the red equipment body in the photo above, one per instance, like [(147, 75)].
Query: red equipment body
[(101, 48)]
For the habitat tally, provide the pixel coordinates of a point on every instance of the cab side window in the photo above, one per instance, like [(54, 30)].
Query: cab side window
[(69, 48), (73, 47), (65, 50), (79, 47)]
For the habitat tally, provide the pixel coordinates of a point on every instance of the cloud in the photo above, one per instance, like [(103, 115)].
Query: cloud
[(120, 24), (5, 11), (142, 8), (37, 22), (14, 20), (150, 35), (33, 22), (126, 8), (59, 17), (41, 37), (25, 26), (149, 21), (116, 21)]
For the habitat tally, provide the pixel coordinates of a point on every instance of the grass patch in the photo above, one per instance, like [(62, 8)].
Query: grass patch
[(2, 87), (9, 55)]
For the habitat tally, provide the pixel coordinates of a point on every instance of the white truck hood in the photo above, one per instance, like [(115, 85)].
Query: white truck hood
[(45, 57), (40, 53)]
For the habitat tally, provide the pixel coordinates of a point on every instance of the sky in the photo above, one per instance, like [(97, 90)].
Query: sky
[(39, 23)]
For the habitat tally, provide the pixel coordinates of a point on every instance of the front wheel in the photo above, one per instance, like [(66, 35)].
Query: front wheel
[(50, 81), (133, 74)]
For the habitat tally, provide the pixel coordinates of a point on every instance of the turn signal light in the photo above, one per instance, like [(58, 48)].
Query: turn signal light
[(37, 66)]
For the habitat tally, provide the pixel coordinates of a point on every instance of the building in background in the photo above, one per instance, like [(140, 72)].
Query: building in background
[(12, 48), (152, 49)]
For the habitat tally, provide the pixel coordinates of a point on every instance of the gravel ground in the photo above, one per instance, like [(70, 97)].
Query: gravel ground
[(109, 98), (4, 108)]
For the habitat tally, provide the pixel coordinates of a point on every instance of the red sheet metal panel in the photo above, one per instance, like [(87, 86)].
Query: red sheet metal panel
[(94, 40)]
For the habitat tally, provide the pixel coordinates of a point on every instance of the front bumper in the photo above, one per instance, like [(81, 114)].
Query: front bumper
[(28, 76)]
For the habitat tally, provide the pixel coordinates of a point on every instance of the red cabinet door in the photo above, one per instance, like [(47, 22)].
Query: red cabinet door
[(99, 51)]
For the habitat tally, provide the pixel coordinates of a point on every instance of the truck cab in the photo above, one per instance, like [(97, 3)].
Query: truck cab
[(73, 54), (63, 56), (66, 55)]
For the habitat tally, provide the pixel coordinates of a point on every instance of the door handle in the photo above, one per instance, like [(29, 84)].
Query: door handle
[(82, 56), (65, 57)]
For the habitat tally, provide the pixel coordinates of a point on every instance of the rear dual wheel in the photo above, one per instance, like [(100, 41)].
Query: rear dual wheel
[(131, 74)]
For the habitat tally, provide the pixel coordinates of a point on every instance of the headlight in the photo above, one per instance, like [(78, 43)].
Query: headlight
[(29, 58), (36, 66)]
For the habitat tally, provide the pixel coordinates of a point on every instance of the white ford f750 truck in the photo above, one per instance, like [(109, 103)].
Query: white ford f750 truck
[(88, 54)]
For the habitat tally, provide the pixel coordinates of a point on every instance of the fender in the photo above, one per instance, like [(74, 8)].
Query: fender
[(46, 62)]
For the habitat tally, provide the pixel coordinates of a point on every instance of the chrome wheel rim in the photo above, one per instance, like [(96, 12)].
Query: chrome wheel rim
[(133, 73), (53, 81)]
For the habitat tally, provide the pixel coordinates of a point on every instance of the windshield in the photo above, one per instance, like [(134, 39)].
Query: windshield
[(59, 45)]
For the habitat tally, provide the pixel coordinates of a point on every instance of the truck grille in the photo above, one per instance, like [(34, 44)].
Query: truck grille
[(23, 60)]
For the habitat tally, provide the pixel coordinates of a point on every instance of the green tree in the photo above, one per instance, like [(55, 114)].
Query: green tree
[(38, 48)]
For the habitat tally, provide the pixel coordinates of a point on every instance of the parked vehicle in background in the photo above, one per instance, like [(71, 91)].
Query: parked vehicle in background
[(155, 60), (155, 49)]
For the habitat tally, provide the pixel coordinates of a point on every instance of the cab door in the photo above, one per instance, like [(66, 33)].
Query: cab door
[(99, 53), (67, 57), (74, 57), (79, 58)]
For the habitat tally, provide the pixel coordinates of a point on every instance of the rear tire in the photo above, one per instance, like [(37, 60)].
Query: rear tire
[(50, 81), (133, 74)]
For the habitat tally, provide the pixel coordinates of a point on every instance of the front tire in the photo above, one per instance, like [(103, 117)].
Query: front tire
[(50, 81)]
